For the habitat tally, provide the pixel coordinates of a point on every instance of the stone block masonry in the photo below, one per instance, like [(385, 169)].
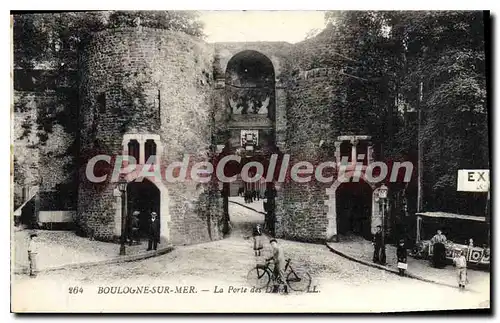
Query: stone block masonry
[(154, 82), (301, 210), (137, 83)]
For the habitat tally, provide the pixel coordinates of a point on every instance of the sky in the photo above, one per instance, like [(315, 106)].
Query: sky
[(247, 26)]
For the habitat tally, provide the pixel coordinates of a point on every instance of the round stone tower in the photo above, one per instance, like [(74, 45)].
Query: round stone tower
[(320, 129), (145, 92)]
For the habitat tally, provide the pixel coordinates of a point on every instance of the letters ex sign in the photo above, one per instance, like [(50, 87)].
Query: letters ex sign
[(473, 180)]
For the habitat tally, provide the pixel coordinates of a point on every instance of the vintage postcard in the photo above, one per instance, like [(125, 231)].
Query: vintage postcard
[(250, 161)]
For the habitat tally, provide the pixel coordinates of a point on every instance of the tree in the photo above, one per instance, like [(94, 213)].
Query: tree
[(445, 52), (53, 38), (397, 51), (183, 21)]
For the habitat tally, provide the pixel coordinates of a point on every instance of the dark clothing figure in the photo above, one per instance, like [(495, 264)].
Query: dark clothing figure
[(379, 249), (401, 253), (154, 233), (257, 240), (241, 191), (439, 255), (128, 227), (134, 229), (439, 250)]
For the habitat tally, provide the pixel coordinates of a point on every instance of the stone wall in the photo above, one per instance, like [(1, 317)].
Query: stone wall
[(45, 150), (277, 52), (301, 212), (154, 82), (141, 80)]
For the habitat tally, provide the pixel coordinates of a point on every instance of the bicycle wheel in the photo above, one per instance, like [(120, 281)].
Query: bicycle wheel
[(298, 280), (258, 277)]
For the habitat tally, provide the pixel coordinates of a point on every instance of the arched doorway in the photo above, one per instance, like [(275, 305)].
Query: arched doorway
[(143, 197), (354, 209), (250, 104)]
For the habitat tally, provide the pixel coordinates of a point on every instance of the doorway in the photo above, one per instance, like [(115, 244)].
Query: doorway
[(354, 208), (143, 197)]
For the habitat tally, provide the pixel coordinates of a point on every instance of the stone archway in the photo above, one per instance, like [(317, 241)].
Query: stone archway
[(143, 197), (139, 193), (250, 89), (353, 209), (250, 102), (331, 202)]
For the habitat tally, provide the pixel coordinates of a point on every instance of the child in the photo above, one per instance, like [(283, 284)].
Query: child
[(402, 257), (32, 254), (257, 240), (461, 264)]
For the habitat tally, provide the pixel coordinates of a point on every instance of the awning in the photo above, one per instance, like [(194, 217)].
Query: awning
[(453, 216), (32, 192)]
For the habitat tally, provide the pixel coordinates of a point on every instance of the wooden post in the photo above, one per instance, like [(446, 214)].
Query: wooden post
[(419, 144), (487, 217)]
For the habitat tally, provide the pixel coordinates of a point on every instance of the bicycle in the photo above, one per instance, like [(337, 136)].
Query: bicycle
[(261, 275)]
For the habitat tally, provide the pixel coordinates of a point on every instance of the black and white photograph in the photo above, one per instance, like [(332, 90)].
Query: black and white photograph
[(181, 161)]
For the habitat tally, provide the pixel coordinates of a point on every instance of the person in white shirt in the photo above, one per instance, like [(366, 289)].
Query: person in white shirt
[(438, 250), (461, 264), (32, 254)]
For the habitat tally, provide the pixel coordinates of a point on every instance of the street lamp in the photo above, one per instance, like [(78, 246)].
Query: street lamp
[(382, 195), (122, 186)]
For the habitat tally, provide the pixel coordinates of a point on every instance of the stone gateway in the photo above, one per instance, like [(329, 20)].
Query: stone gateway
[(146, 92)]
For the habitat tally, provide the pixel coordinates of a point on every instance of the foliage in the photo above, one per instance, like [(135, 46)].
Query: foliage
[(183, 21), (54, 38), (398, 52)]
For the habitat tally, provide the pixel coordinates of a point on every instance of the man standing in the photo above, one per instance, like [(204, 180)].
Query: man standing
[(32, 254), (154, 232), (279, 264), (461, 264), (379, 250)]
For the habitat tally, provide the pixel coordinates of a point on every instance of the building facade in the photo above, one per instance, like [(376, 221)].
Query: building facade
[(145, 92)]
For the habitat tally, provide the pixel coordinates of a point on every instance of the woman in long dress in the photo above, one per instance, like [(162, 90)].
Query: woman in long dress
[(257, 240), (439, 250)]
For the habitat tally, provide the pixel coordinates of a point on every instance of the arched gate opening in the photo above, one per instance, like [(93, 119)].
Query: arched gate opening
[(354, 209), (143, 197)]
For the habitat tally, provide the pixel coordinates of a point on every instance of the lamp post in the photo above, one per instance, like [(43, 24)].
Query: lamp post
[(382, 195), (122, 186)]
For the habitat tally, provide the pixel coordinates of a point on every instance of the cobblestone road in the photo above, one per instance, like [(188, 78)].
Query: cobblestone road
[(343, 285)]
